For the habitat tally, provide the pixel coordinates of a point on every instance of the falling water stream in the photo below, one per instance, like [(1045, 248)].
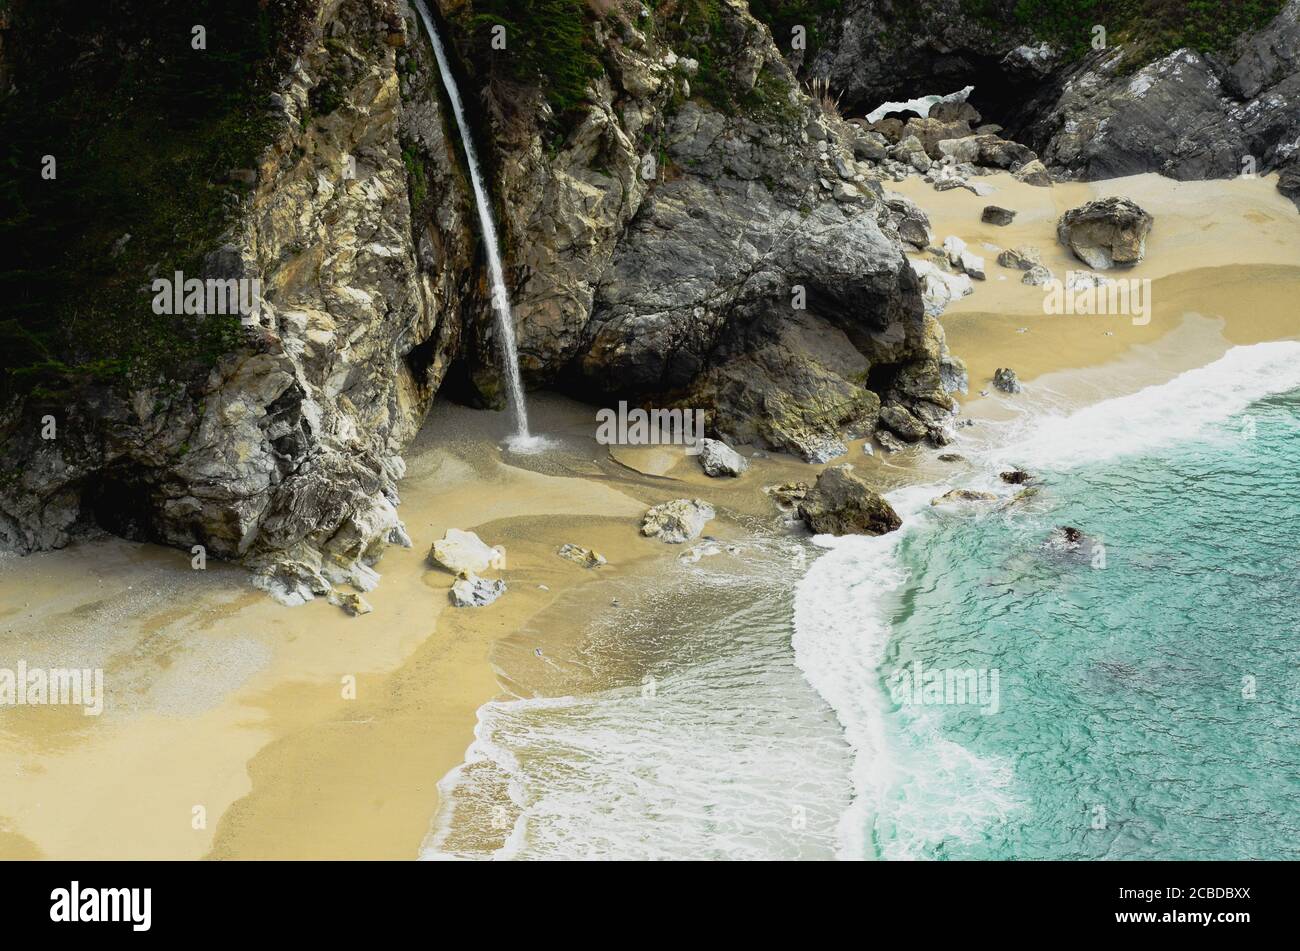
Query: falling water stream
[(521, 441)]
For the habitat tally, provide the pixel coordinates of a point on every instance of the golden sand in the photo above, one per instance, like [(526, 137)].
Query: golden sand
[(221, 699)]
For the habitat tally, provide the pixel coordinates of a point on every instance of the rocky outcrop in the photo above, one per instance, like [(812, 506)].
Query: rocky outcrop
[(1113, 112), (729, 257), (1187, 115), (287, 455), (1106, 233), (840, 503), (707, 241)]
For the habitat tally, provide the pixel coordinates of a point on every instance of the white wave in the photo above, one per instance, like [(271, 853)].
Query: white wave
[(708, 767), (1183, 408), (911, 787)]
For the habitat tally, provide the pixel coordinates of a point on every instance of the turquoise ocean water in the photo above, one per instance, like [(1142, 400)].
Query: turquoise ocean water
[(1147, 689)]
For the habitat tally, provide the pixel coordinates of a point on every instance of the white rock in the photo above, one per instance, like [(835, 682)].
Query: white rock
[(938, 287), (719, 459), (459, 551), (971, 264), (677, 521)]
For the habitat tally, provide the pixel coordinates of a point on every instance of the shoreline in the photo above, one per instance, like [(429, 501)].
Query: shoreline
[(223, 699)]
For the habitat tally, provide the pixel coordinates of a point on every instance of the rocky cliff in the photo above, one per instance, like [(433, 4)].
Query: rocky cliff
[(1205, 92), (700, 235)]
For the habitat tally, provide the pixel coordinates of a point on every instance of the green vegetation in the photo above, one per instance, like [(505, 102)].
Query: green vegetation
[(549, 43), (145, 130), (695, 29), (1151, 28)]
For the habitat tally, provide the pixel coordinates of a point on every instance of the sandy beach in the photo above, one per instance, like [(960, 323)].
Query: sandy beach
[(220, 700)]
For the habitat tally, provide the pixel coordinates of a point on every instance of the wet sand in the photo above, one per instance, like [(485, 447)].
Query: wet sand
[(220, 698)]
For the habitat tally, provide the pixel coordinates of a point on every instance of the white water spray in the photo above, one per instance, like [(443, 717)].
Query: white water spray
[(522, 441)]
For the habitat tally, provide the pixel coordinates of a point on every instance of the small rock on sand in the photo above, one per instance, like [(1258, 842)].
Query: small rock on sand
[(677, 521), (471, 591), (581, 556)]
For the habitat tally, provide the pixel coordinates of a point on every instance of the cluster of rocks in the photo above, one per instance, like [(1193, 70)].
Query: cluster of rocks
[(468, 557), (1109, 113), (948, 146)]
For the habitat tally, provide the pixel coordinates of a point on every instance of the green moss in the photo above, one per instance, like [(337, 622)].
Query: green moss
[(144, 129), (1150, 28), (548, 43), (419, 182)]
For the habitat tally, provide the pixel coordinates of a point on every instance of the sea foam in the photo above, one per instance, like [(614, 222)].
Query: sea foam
[(1183, 408)]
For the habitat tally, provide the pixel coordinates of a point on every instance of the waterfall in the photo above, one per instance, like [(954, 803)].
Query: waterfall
[(500, 296)]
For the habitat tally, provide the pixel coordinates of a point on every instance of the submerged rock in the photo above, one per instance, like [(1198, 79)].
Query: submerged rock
[(787, 495), (1106, 233), (842, 504), (677, 521), (1016, 477), (1005, 379), (459, 551), (471, 591), (585, 557), (719, 459), (706, 549), (963, 495), (1066, 539)]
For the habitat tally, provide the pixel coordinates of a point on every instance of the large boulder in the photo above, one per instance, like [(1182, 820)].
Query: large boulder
[(1106, 233), (678, 521), (842, 504)]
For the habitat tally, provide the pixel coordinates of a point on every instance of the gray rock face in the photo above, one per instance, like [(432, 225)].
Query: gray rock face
[(719, 459), (287, 455), (840, 503), (1037, 276), (1186, 115), (678, 521), (1106, 233)]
